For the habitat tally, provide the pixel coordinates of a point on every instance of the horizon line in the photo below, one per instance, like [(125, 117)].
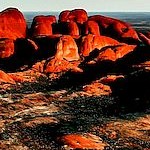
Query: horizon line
[(86, 11)]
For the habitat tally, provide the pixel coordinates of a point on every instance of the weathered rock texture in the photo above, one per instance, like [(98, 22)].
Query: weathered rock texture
[(12, 24), (66, 52), (116, 28), (92, 42), (42, 26), (76, 15)]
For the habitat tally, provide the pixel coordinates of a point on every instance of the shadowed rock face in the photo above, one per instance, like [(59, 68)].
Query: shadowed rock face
[(116, 28), (42, 26), (66, 28), (92, 42), (46, 46), (6, 47), (76, 15), (12, 24)]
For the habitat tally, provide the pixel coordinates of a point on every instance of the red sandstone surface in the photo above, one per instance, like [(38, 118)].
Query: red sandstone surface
[(42, 25), (12, 24), (77, 15)]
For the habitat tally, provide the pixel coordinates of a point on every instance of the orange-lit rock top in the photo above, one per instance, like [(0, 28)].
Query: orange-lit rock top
[(12, 24), (115, 28), (92, 42), (42, 25), (76, 15)]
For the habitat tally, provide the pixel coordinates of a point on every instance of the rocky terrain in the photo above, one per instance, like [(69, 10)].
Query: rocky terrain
[(79, 82)]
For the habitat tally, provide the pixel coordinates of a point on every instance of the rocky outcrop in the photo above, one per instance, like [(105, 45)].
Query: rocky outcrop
[(91, 27), (116, 28), (12, 27), (63, 16), (92, 42), (74, 20), (42, 26), (12, 24), (116, 52), (76, 15), (66, 52)]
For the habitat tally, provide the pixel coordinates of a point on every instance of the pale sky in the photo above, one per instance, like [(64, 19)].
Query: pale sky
[(88, 5)]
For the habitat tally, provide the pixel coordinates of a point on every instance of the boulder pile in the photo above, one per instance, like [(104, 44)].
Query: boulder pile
[(73, 42)]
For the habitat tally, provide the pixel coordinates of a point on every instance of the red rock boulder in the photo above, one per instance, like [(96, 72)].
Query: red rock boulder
[(42, 26), (6, 48), (91, 27), (116, 52), (66, 55), (73, 28), (116, 28), (67, 49), (76, 15), (85, 141), (92, 42), (12, 24), (63, 16)]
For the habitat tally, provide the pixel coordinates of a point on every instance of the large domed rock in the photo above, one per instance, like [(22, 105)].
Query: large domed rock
[(67, 49), (116, 28), (42, 26), (76, 15), (12, 24)]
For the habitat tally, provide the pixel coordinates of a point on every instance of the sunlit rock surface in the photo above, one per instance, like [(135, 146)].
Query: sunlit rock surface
[(12, 24)]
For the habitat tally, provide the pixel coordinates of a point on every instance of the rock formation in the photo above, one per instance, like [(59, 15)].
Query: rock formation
[(92, 42), (42, 26), (72, 84), (76, 15), (116, 28), (91, 27), (66, 52), (12, 24)]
